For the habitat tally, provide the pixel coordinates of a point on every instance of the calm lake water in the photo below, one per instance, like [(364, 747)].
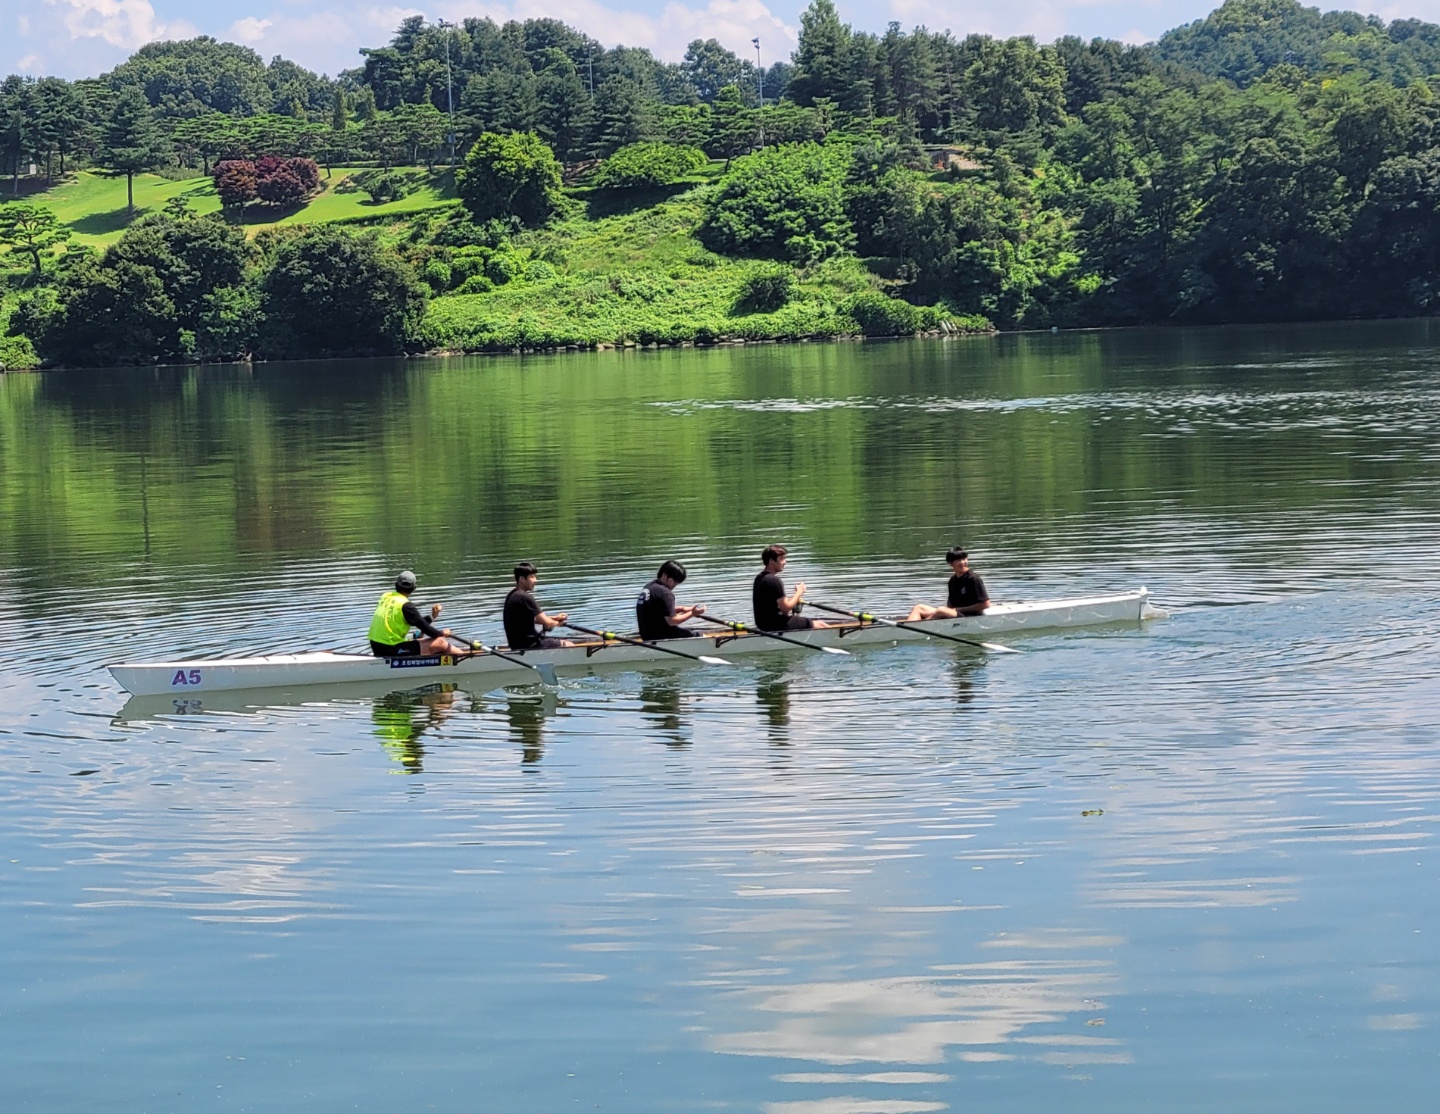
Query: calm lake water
[(1189, 867)]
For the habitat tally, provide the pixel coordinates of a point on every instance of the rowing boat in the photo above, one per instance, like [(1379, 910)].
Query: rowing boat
[(181, 678)]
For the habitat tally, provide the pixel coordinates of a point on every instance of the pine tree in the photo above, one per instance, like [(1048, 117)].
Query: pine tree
[(132, 141)]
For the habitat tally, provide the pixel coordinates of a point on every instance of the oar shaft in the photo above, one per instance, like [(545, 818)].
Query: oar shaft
[(611, 636), (742, 628), (481, 648), (866, 617)]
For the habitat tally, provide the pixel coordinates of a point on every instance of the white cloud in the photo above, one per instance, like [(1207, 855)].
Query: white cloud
[(28, 63), (22, 24), (121, 23), (248, 30), (733, 22), (330, 40)]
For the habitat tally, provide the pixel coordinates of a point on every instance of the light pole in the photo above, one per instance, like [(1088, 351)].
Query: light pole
[(759, 92), (759, 75), (449, 89)]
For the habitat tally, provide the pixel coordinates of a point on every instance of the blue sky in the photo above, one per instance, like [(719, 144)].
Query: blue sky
[(79, 38)]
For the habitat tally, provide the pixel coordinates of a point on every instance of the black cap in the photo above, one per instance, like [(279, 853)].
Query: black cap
[(405, 582)]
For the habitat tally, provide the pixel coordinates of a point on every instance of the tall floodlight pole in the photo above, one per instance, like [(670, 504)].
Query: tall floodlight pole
[(759, 75), (760, 90), (449, 89)]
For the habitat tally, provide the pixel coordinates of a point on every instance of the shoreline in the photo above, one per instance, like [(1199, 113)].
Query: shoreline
[(626, 346)]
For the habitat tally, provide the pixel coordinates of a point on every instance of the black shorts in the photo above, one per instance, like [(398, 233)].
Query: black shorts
[(541, 643), (410, 649), (792, 622), (675, 632)]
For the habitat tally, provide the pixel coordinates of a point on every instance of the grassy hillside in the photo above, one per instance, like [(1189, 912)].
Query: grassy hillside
[(92, 203), (638, 277)]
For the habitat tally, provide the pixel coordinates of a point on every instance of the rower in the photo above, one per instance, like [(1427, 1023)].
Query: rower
[(522, 615), (656, 613), (774, 610), (967, 592), (395, 615)]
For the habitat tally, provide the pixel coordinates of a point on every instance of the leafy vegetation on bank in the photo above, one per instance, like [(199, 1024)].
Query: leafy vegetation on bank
[(1269, 162)]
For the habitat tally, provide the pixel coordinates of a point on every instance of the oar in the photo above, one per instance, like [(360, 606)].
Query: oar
[(741, 628), (866, 617), (544, 668), (611, 636)]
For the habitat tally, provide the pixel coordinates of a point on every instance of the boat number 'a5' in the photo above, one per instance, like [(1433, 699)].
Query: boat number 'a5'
[(185, 677)]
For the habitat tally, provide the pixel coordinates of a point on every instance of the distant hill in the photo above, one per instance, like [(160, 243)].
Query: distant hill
[(1242, 40)]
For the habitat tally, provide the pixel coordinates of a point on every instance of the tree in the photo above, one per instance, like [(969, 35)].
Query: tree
[(31, 230), (510, 177), (132, 142), (421, 127), (15, 96), (822, 62), (329, 292), (236, 183), (709, 67), (141, 302), (622, 113), (780, 203)]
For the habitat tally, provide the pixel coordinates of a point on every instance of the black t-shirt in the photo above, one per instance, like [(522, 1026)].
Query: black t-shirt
[(766, 595), (966, 589), (520, 615), (654, 609)]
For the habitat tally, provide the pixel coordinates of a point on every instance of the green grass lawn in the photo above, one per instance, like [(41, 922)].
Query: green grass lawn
[(92, 203)]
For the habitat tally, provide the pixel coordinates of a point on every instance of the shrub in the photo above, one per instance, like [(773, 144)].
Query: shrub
[(437, 275), (17, 354), (879, 316), (475, 284), (346, 184), (510, 176), (766, 291), (538, 270), (648, 166), (781, 203), (384, 185)]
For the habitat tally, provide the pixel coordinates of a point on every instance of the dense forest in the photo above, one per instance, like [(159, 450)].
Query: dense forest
[(1268, 162)]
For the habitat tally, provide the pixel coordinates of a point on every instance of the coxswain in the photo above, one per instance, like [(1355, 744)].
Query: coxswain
[(967, 594), (774, 610), (525, 623), (395, 615), (656, 613)]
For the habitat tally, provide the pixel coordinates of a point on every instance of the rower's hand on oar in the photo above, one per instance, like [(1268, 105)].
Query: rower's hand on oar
[(698, 609)]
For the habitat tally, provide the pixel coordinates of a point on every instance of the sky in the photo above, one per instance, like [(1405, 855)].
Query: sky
[(83, 38)]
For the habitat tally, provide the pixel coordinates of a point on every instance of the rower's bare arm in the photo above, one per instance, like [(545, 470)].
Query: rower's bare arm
[(550, 622), (789, 603)]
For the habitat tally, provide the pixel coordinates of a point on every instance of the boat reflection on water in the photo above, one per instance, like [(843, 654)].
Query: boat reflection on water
[(660, 704), (968, 671), (772, 696), (401, 718), (526, 715)]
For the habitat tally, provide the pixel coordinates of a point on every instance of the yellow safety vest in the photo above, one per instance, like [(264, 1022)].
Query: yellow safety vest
[(389, 627)]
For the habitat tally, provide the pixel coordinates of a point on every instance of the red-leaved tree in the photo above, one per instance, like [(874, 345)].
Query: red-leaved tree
[(281, 187), (235, 182)]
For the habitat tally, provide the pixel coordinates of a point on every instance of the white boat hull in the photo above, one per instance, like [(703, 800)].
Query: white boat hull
[(182, 678)]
